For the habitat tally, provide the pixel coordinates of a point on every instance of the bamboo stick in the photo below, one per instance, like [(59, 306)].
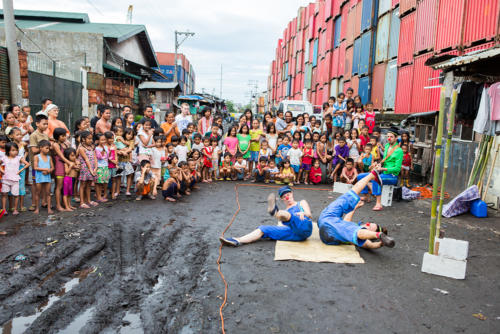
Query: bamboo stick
[(485, 163), (491, 172), (481, 160), (451, 123), (437, 168), (476, 161)]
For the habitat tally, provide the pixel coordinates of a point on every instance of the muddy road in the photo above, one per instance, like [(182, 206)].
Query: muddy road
[(150, 267)]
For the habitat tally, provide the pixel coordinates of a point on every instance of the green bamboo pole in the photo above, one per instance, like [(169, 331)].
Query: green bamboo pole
[(485, 163), (480, 156), (437, 169), (476, 161), (451, 123)]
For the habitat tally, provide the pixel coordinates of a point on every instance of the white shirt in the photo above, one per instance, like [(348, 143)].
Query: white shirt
[(294, 154), (272, 140), (198, 147), (183, 121), (181, 152), (243, 164), (156, 156)]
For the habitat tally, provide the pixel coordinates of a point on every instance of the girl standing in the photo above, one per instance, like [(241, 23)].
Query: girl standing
[(145, 141), (10, 180), (59, 146), (323, 156), (125, 157), (244, 142), (88, 169), (354, 145), (272, 137), (205, 123), (231, 143), (207, 160), (17, 137), (102, 172), (71, 170), (129, 121), (43, 167), (112, 164)]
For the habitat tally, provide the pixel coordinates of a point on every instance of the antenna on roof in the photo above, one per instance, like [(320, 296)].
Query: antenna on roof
[(129, 14)]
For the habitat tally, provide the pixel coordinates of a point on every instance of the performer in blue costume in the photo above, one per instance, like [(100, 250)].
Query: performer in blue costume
[(295, 221)]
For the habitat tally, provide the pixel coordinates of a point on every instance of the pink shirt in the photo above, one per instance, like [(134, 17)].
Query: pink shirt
[(11, 168), (231, 143), (494, 93)]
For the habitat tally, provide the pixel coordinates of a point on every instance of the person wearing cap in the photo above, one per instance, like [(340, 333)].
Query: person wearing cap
[(389, 167), (295, 221), (335, 225)]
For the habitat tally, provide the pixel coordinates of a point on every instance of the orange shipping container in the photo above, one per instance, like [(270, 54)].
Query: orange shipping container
[(348, 63), (481, 20), (378, 80)]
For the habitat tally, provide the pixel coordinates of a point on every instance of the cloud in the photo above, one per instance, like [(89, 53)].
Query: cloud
[(239, 35)]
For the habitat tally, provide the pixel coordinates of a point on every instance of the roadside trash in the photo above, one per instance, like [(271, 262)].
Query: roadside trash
[(3, 233), (415, 265), (409, 194), (421, 212), (20, 257), (479, 316), (51, 243), (444, 292)]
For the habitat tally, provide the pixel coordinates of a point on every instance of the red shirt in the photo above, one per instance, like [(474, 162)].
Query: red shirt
[(364, 140), (315, 175), (307, 158), (370, 120)]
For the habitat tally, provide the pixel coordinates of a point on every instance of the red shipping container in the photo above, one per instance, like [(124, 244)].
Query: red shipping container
[(425, 25), (449, 24), (342, 49), (422, 81), (311, 53), (328, 9), (329, 35), (321, 16), (320, 72), (334, 68), (319, 97), (302, 80), (297, 83), (328, 67), (406, 5), (402, 105), (323, 43), (351, 21), (313, 98), (395, 3), (294, 27), (378, 80), (347, 84), (293, 65), (406, 39), (311, 27), (480, 47), (359, 15), (343, 22), (355, 84), (336, 7), (481, 20), (436, 86), (348, 63)]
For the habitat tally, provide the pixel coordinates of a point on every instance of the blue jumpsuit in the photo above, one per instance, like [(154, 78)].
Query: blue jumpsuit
[(332, 229), (387, 179), (293, 230)]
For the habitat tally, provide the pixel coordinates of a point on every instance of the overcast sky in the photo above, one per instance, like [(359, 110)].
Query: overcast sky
[(239, 35)]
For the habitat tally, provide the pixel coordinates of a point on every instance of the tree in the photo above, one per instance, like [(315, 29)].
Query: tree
[(230, 106)]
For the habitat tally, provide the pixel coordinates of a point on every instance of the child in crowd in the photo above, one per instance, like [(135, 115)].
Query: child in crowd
[(364, 136), (370, 117), (58, 146), (338, 161), (307, 158), (273, 170), (265, 151), (144, 181), (171, 186), (255, 136), (349, 172), (215, 158), (231, 142), (226, 167), (102, 171), (181, 150), (261, 171), (71, 170), (365, 160), (43, 167), (317, 127), (36, 137), (359, 114), (11, 165), (406, 166), (287, 175), (207, 153), (112, 165), (157, 159), (125, 158), (17, 138), (244, 143), (315, 173), (272, 137), (295, 156), (88, 169), (283, 150), (240, 167), (197, 143)]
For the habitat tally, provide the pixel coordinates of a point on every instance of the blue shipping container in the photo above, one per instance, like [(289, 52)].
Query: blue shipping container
[(355, 56), (394, 34), (369, 14), (336, 35), (365, 89), (289, 86), (315, 52), (391, 78), (365, 56)]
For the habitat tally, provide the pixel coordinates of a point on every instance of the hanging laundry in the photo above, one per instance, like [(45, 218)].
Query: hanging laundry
[(468, 101)]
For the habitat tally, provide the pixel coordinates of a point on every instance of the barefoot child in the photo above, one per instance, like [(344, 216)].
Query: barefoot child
[(240, 167), (226, 167), (315, 173), (17, 137), (71, 171), (171, 186), (43, 168), (341, 154), (144, 181), (58, 147), (349, 173), (102, 155), (11, 163), (88, 168), (207, 152), (287, 174), (406, 166), (307, 158)]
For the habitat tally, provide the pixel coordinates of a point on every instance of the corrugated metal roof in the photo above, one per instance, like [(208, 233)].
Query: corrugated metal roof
[(116, 69), (47, 15), (468, 58), (158, 85)]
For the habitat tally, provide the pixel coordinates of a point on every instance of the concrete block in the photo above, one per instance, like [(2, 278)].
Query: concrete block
[(387, 192), (341, 188), (442, 266), (453, 248)]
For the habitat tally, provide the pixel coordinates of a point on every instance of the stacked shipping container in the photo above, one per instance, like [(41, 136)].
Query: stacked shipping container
[(377, 47)]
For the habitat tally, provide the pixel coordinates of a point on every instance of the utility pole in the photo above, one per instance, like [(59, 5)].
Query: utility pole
[(10, 41), (220, 91), (129, 14), (178, 43)]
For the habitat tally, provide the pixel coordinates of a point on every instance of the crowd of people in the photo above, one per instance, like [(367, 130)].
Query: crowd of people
[(106, 156)]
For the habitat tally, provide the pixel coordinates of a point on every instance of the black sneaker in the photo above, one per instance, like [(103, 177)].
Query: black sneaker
[(386, 240), (229, 242), (272, 208)]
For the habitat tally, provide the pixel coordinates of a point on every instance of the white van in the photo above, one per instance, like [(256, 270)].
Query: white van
[(298, 107)]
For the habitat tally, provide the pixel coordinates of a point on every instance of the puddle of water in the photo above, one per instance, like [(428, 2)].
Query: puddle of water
[(159, 283), (78, 323), (19, 324), (135, 326)]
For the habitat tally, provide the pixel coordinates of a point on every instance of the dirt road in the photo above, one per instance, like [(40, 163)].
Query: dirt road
[(149, 267)]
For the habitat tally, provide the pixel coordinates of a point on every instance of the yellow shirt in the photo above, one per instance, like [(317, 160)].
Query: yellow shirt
[(255, 135), (375, 153)]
